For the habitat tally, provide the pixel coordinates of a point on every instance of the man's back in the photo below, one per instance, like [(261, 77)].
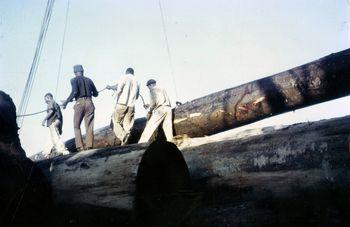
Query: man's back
[(159, 97), (128, 90), (83, 87)]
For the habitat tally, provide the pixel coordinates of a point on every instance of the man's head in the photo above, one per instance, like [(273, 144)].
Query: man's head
[(78, 70), (48, 97), (151, 83), (129, 71)]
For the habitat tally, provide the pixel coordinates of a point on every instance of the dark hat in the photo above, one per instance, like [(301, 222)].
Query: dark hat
[(78, 68), (129, 71), (48, 94), (151, 81)]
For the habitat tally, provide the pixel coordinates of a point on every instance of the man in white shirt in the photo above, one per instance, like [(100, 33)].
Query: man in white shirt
[(123, 117), (160, 112)]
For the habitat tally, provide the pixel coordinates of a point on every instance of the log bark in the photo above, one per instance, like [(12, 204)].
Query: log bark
[(253, 164), (315, 82), (25, 195)]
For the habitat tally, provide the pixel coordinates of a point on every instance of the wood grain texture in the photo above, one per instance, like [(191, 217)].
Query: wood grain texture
[(267, 161)]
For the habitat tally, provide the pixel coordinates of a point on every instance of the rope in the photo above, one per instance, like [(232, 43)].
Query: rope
[(168, 48), (42, 111), (62, 48), (31, 114), (32, 73), (34, 68), (143, 101)]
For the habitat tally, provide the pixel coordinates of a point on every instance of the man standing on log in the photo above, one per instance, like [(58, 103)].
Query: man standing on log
[(128, 91), (82, 90), (54, 121), (160, 112)]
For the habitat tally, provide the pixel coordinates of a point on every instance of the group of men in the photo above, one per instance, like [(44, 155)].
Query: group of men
[(128, 91)]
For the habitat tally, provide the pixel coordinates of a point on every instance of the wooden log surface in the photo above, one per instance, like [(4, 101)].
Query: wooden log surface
[(25, 198), (315, 82), (260, 162)]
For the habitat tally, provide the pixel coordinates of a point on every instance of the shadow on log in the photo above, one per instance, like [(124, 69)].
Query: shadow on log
[(163, 185)]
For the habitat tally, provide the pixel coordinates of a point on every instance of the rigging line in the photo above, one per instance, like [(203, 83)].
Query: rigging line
[(167, 47), (31, 114), (45, 28), (26, 94), (42, 111), (34, 60), (31, 76), (62, 47), (40, 51)]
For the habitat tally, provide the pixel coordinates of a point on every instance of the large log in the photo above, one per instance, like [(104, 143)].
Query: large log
[(256, 163), (25, 198), (315, 82)]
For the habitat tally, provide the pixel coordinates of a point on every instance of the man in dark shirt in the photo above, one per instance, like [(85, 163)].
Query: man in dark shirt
[(82, 90), (54, 121)]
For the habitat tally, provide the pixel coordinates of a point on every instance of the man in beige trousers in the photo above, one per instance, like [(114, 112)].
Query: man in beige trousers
[(82, 90), (128, 91), (160, 113)]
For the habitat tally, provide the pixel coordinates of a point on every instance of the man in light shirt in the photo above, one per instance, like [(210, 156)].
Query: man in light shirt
[(127, 93), (160, 113)]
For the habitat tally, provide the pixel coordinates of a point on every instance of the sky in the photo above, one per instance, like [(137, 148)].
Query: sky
[(213, 45)]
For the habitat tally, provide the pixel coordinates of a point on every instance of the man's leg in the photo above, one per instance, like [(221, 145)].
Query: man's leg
[(78, 118), (48, 145), (129, 119), (118, 118), (89, 123), (152, 124), (168, 124), (56, 138)]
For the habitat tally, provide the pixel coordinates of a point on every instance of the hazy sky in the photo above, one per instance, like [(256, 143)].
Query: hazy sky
[(214, 45)]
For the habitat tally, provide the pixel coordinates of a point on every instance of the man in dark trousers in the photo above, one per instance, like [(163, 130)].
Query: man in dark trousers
[(82, 90)]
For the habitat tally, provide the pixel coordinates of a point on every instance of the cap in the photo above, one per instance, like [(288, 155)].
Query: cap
[(129, 71), (48, 94), (151, 81), (78, 68)]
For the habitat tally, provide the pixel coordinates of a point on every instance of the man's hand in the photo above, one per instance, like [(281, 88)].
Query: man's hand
[(64, 104), (43, 123), (149, 114)]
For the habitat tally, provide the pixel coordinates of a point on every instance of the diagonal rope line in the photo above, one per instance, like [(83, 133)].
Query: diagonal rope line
[(24, 96), (42, 111), (168, 47), (26, 93), (32, 73), (62, 48)]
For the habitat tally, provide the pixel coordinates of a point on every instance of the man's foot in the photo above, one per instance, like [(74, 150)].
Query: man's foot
[(65, 152), (80, 149)]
